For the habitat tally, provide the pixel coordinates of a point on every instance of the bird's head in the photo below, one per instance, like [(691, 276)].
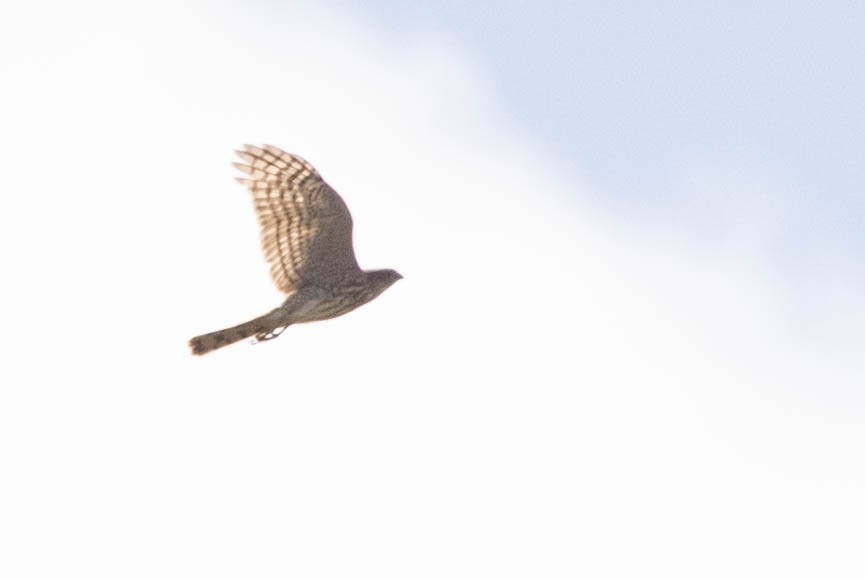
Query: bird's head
[(383, 278)]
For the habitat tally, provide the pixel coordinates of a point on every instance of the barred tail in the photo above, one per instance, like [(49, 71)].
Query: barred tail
[(262, 326)]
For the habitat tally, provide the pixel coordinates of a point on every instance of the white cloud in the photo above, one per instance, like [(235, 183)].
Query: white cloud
[(544, 394)]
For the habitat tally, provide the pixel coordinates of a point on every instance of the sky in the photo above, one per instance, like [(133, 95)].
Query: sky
[(627, 341), (635, 97)]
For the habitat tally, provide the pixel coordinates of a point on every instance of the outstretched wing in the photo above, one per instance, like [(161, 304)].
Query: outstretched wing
[(305, 225)]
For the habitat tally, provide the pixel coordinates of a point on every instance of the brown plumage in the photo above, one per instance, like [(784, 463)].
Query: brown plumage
[(306, 236)]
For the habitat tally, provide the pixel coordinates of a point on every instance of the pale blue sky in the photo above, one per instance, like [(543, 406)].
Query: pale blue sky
[(768, 96)]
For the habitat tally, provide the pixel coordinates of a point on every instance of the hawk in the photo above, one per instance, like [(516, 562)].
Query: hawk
[(306, 237)]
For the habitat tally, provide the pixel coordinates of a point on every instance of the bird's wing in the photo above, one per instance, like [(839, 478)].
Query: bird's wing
[(305, 225)]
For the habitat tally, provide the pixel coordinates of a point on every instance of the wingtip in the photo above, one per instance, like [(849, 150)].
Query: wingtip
[(247, 149), (243, 168)]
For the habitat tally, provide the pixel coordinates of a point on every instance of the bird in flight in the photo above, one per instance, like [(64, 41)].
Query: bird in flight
[(306, 237)]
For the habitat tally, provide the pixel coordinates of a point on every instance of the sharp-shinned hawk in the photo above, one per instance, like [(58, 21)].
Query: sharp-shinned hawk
[(306, 237)]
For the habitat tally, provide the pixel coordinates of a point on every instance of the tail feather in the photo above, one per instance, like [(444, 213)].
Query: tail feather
[(261, 326)]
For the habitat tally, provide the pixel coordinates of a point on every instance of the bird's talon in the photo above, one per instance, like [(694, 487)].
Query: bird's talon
[(263, 337)]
